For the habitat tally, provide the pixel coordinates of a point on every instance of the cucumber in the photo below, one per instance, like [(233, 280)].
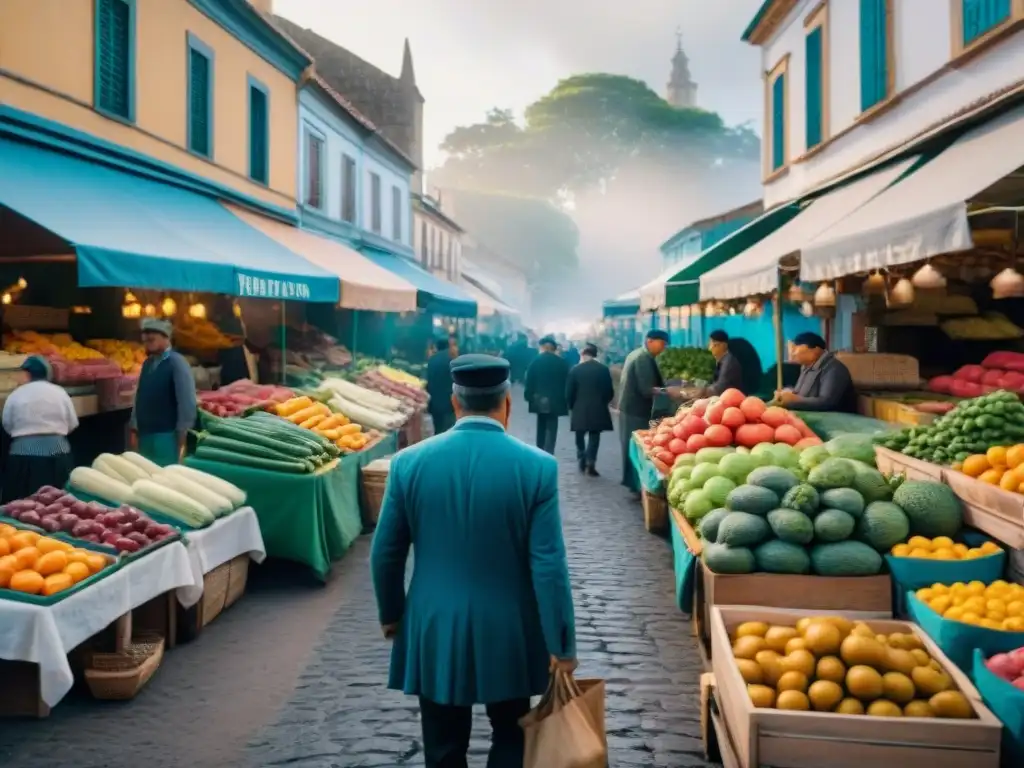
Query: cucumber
[(248, 448), (295, 436), (284, 424), (291, 466), (239, 432)]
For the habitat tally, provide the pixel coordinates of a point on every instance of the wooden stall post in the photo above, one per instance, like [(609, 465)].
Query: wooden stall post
[(779, 338)]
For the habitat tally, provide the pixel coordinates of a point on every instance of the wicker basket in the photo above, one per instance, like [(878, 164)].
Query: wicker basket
[(120, 676), (655, 512), (880, 371), (374, 479)]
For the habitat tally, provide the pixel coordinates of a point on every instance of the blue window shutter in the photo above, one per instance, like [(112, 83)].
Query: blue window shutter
[(199, 118), (779, 122), (259, 147), (113, 52), (874, 53), (814, 49), (980, 16)]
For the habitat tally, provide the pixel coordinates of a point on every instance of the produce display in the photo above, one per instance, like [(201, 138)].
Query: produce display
[(991, 326), (48, 344), (687, 363), (40, 565), (130, 355), (1009, 667), (125, 529), (319, 418), (412, 396), (363, 406), (201, 335), (943, 548), (1000, 465), (265, 441), (731, 419), (192, 499), (240, 396), (999, 605), (974, 426), (833, 664)]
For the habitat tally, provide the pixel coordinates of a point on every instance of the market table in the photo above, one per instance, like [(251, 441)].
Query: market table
[(311, 519), (45, 634), (231, 536), (829, 424), (651, 479)]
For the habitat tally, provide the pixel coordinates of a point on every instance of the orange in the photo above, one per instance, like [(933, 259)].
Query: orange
[(46, 544), (996, 456), (51, 563), (975, 465), (1015, 456), (8, 567), (57, 582), (78, 556), (77, 571), (5, 548), (96, 563), (27, 581), (26, 557), (23, 539), (7, 530), (992, 476), (1011, 480)]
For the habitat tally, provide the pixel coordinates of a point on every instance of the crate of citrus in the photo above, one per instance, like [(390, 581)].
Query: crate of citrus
[(923, 561), (42, 570), (991, 487)]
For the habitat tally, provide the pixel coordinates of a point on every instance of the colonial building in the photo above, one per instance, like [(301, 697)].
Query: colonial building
[(688, 243), (438, 239), (681, 91)]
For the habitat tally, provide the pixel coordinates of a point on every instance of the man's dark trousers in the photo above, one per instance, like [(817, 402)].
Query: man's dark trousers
[(446, 732), (587, 444), (547, 432)]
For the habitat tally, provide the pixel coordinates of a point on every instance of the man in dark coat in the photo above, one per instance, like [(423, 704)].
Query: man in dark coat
[(572, 355), (728, 370), (825, 383), (640, 381), (545, 392), (588, 393), (439, 384)]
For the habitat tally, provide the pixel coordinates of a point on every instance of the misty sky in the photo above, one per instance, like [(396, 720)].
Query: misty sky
[(471, 55)]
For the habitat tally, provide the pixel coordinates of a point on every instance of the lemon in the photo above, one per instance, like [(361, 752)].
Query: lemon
[(969, 617), (919, 542), (940, 604), (974, 553), (1014, 624), (976, 588), (956, 588), (1015, 608), (990, 548), (925, 594), (900, 550), (942, 541), (975, 604), (955, 613), (995, 616), (920, 553), (990, 623), (959, 599), (998, 586), (960, 549), (995, 605), (944, 553)]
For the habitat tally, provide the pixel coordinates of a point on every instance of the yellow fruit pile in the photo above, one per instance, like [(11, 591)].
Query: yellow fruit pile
[(943, 548), (832, 664), (200, 334), (40, 565), (998, 606), (127, 354), (1001, 465), (33, 343)]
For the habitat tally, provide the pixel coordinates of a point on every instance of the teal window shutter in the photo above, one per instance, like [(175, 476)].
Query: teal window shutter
[(259, 130), (114, 53), (980, 16), (200, 101), (814, 49), (874, 53), (779, 122)]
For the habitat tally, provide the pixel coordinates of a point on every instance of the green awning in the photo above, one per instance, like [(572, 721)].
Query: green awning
[(681, 287)]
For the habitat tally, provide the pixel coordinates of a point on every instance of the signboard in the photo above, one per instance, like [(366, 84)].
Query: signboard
[(250, 286)]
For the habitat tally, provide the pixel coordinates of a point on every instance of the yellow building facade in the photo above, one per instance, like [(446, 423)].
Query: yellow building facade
[(206, 87)]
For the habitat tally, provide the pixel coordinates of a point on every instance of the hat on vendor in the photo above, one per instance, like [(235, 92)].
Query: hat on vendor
[(156, 325), (547, 341), (477, 374), (38, 368), (656, 335), (809, 339)]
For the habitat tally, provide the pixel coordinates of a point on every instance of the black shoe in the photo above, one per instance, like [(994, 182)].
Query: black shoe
[(583, 467), (591, 472)]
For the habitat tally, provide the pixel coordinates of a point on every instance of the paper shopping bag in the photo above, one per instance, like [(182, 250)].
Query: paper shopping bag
[(566, 729)]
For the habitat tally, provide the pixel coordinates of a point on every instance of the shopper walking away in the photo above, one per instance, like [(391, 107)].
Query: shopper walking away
[(588, 393), (572, 355), (439, 384), (638, 384), (545, 392), (38, 416), (488, 612), (165, 402)]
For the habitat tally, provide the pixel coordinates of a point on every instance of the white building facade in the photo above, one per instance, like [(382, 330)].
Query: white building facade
[(437, 239), (847, 81)]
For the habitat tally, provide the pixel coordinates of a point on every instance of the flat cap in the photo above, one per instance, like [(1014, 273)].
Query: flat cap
[(657, 335), (156, 325), (479, 374)]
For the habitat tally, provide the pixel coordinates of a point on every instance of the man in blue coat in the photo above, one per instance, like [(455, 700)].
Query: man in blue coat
[(488, 613)]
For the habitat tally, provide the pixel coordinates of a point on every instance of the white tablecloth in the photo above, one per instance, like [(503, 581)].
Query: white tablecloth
[(46, 634), (229, 537)]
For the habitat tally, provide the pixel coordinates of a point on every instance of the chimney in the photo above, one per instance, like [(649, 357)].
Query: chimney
[(265, 7)]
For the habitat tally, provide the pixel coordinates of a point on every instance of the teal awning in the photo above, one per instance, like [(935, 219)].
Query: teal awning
[(433, 295), (626, 304), (133, 232)]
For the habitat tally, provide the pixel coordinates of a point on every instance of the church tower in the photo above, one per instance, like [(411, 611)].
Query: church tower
[(682, 91)]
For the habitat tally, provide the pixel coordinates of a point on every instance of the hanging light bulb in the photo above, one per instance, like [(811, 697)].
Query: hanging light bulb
[(928, 278), (807, 309), (129, 298), (197, 310), (825, 296), (902, 294), (168, 307), (149, 310), (6, 298), (751, 308), (132, 310), (1007, 284), (875, 284), (236, 309)]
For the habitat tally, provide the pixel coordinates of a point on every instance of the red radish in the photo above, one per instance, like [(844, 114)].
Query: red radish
[(787, 434), (731, 398), (733, 417), (753, 408), (715, 412), (677, 446), (807, 442), (694, 425), (695, 442), (750, 435), (718, 435), (700, 407), (775, 416)]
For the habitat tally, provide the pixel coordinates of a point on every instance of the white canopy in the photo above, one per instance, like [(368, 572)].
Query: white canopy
[(755, 270), (924, 214)]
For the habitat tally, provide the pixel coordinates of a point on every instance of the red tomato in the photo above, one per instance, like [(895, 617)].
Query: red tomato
[(718, 435), (715, 412), (695, 442), (731, 398), (677, 446), (733, 417)]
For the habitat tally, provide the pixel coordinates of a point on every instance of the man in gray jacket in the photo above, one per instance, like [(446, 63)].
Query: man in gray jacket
[(728, 370), (825, 383)]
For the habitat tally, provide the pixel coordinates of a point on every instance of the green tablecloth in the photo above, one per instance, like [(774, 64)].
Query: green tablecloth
[(829, 424), (651, 479), (312, 519)]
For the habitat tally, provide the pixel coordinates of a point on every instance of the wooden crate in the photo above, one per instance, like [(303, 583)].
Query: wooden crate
[(989, 508), (891, 462), (787, 739), (655, 512)]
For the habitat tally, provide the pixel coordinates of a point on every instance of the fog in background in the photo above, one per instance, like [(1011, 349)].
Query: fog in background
[(471, 56)]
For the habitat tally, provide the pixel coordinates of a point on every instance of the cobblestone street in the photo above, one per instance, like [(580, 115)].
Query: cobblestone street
[(294, 674)]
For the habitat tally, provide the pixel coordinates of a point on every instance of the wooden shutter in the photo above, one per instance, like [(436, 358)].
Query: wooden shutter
[(198, 102), (979, 16), (815, 116), (779, 122), (259, 148), (874, 53), (114, 57)]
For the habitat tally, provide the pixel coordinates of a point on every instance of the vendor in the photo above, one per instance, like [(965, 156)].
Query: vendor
[(39, 416), (825, 383), (439, 384), (165, 403), (728, 369)]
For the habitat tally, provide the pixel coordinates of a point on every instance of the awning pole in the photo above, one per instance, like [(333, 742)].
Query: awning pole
[(777, 317), (284, 342), (355, 331)]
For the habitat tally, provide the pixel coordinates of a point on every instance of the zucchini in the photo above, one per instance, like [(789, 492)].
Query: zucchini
[(250, 449), (239, 432), (303, 438), (294, 466), (294, 429)]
